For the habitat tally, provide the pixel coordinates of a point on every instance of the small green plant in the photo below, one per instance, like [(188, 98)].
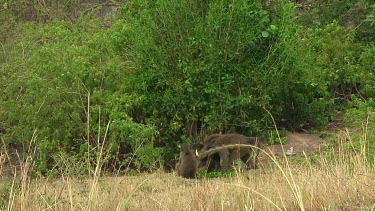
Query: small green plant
[(5, 191), (214, 174), (360, 117), (371, 16)]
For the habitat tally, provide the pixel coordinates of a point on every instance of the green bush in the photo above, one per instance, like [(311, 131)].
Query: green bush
[(360, 117), (53, 69), (338, 64), (367, 76), (333, 59), (215, 64), (167, 72)]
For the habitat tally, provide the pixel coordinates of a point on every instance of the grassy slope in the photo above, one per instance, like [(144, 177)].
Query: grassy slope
[(331, 181)]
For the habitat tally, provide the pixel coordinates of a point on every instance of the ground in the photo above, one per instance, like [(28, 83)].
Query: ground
[(342, 182), (307, 142), (301, 142)]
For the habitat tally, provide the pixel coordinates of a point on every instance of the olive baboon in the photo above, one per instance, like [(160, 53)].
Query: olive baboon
[(187, 164), (213, 137), (211, 162), (226, 149)]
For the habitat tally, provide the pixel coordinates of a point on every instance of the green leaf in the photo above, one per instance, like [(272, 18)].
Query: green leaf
[(265, 34)]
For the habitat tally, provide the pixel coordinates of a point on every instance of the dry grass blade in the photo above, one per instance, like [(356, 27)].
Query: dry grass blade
[(335, 180), (291, 181), (122, 205), (97, 171)]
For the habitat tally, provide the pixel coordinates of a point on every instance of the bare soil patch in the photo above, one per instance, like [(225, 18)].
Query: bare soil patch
[(9, 164), (301, 142)]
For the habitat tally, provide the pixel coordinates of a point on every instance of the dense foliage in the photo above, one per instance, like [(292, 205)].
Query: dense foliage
[(161, 72), (213, 65)]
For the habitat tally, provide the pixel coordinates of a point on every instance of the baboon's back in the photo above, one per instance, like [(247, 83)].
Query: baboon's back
[(188, 165)]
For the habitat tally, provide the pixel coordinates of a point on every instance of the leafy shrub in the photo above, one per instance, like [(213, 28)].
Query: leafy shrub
[(333, 57), (46, 87), (360, 116), (338, 64), (167, 72), (214, 64), (367, 76)]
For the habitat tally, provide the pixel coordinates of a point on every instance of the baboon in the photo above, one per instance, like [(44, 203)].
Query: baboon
[(211, 162), (187, 164), (213, 137), (208, 163), (199, 146), (226, 149)]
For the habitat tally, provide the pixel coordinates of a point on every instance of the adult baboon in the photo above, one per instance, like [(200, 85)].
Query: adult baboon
[(226, 149), (211, 162), (213, 137), (187, 164)]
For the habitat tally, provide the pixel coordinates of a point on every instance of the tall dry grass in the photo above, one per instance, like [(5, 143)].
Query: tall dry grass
[(338, 179)]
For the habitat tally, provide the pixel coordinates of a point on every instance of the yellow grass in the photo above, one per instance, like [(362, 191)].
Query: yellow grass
[(346, 182), (336, 180)]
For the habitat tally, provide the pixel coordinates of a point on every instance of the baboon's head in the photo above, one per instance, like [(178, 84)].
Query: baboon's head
[(185, 148)]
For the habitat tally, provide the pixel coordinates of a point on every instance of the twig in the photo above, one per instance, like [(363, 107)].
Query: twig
[(107, 4)]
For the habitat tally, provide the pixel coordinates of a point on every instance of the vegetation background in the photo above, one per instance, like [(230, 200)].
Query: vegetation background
[(137, 78), (93, 87)]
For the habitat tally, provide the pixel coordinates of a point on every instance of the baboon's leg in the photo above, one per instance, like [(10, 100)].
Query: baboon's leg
[(177, 169), (206, 160), (224, 159), (208, 163), (246, 159), (213, 162), (245, 155), (233, 157)]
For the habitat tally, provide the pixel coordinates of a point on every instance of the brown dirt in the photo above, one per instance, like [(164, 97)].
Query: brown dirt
[(301, 142), (306, 142), (9, 164)]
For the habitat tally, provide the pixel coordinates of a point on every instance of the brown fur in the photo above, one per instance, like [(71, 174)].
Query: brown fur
[(187, 164), (213, 137), (211, 162), (228, 148)]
